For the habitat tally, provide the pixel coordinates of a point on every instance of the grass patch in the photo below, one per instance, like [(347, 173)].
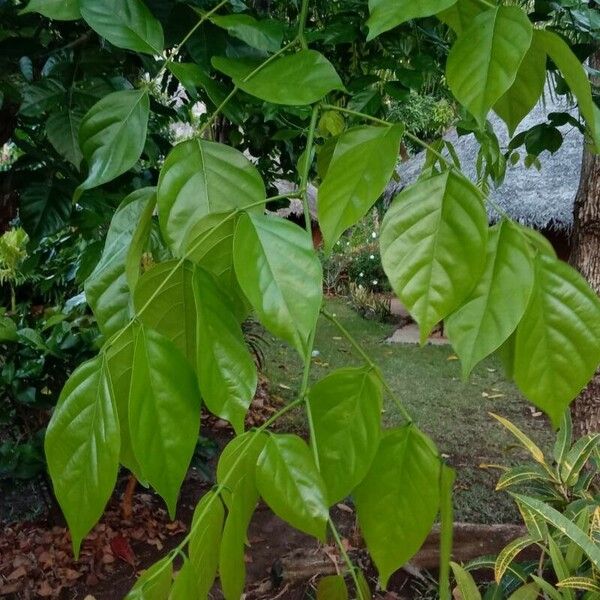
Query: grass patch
[(452, 411)]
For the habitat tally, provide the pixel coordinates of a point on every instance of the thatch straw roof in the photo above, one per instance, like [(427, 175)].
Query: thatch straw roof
[(541, 199)]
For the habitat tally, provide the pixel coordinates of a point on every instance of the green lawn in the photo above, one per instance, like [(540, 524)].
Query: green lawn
[(428, 380)]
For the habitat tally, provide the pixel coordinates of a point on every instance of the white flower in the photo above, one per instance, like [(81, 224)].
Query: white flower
[(374, 282), (373, 235), (361, 274), (198, 109), (347, 243), (372, 257)]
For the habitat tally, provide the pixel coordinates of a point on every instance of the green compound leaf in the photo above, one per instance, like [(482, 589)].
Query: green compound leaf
[(486, 320), (128, 25), (398, 500), (433, 241), (82, 447), (558, 340), (201, 177), (288, 480), (461, 14), (106, 289), (112, 135), (226, 370), (232, 568), (59, 10), (205, 541), (387, 14), (362, 165), (164, 301), (266, 35), (155, 582), (527, 88), (62, 131), (485, 59), (238, 460), (277, 266), (332, 587), (120, 365), (300, 78), (346, 412), (209, 244), (164, 413), (576, 77)]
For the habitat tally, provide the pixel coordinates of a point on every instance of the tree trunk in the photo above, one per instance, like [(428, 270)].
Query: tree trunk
[(585, 257)]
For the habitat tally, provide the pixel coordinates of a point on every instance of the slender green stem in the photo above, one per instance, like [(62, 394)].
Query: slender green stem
[(218, 110), (356, 114), (302, 23), (236, 89), (306, 167), (187, 36), (205, 16), (292, 194), (363, 354), (336, 536), (428, 147)]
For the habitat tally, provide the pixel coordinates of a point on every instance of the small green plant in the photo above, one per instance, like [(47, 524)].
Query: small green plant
[(13, 251), (558, 500), (368, 304), (36, 358)]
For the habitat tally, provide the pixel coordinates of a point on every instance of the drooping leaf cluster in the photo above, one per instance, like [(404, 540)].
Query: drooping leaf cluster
[(173, 332)]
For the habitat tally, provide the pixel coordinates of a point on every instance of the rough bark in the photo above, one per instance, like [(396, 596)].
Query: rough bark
[(585, 257)]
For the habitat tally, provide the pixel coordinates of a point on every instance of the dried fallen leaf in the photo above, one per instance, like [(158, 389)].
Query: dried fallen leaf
[(17, 574), (121, 549)]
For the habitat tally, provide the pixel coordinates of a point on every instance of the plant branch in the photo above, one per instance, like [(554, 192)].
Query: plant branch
[(292, 194), (347, 559), (171, 273), (306, 168), (236, 89), (363, 354), (302, 23)]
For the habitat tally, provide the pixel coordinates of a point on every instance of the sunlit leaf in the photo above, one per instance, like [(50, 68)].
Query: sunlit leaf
[(106, 289), (288, 480), (387, 14), (82, 447), (485, 59), (486, 320), (164, 413), (276, 266), (164, 301), (433, 241), (558, 341), (201, 177), (362, 164), (346, 411), (128, 25), (300, 78), (226, 370), (527, 88), (112, 136), (398, 500)]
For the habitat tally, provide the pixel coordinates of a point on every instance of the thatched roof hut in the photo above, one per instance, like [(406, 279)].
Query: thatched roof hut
[(541, 199)]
